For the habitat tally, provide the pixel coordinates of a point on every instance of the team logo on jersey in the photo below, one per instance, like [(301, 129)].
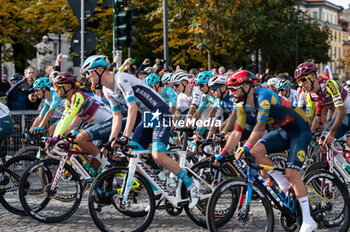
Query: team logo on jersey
[(301, 155), (265, 104), (332, 87)]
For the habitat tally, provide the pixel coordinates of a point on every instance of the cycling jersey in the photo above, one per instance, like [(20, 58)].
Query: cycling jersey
[(6, 122), (55, 103), (293, 97), (331, 95), (184, 102), (293, 130), (84, 106), (128, 88), (227, 104), (169, 95)]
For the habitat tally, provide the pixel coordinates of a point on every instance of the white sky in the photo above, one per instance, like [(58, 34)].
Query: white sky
[(343, 3)]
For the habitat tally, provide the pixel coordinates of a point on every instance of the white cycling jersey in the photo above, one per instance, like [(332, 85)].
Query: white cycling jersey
[(128, 88), (4, 110), (293, 97), (184, 102)]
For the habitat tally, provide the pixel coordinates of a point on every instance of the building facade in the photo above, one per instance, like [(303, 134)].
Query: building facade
[(328, 15)]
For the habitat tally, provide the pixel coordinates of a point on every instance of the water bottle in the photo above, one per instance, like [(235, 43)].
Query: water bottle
[(276, 189), (89, 169), (347, 167), (290, 197)]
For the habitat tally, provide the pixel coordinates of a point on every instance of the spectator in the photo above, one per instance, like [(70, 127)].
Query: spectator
[(4, 84), (3, 98), (222, 70), (193, 71), (16, 77), (214, 71), (17, 96), (159, 64), (33, 101), (30, 75), (50, 68)]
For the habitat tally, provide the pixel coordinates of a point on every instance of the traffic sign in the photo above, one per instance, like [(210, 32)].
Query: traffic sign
[(90, 42), (90, 6)]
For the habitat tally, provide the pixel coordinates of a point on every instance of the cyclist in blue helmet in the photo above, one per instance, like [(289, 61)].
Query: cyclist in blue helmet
[(167, 93), (52, 103)]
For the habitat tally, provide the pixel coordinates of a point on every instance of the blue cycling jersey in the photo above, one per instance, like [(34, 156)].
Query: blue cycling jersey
[(169, 96), (55, 103), (226, 104)]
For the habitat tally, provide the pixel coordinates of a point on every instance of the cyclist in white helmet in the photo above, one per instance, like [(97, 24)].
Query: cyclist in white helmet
[(284, 90), (271, 83)]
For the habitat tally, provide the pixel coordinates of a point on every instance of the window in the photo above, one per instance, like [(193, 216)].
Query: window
[(339, 53), (335, 36), (314, 14), (330, 50), (339, 38), (335, 52), (344, 51)]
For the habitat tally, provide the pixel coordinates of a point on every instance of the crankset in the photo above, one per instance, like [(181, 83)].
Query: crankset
[(171, 210)]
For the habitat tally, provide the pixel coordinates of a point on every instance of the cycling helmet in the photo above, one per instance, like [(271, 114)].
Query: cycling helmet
[(42, 82), (180, 76), (95, 61), (66, 78), (273, 81), (348, 82), (240, 77), (53, 74), (152, 79), (203, 77), (305, 69), (148, 70), (282, 84), (166, 78), (191, 82), (16, 77), (218, 80)]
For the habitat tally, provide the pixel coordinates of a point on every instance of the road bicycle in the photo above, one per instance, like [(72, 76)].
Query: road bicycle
[(252, 198), (125, 196), (59, 183)]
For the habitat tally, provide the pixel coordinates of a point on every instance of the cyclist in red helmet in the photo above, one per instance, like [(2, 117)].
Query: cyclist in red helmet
[(292, 132)]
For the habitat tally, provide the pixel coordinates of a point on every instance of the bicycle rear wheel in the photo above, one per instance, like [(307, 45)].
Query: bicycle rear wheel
[(329, 200), (9, 197), (213, 176), (260, 215), (105, 202), (39, 201)]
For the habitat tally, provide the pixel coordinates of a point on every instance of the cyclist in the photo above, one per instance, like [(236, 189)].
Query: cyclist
[(167, 93), (137, 95), (52, 103), (330, 94), (271, 83), (284, 90), (292, 132), (189, 97), (80, 106), (224, 105)]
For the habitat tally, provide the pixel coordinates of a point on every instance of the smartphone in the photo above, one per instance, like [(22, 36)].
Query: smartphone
[(132, 61), (64, 56)]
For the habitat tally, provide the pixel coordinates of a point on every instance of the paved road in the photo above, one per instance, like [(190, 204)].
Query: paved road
[(81, 221)]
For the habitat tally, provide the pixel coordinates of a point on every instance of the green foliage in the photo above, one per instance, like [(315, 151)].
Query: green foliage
[(227, 32)]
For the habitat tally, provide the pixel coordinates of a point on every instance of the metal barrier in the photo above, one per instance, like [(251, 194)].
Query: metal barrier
[(23, 120)]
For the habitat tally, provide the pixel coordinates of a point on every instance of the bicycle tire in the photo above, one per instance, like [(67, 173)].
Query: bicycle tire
[(28, 150), (235, 186), (101, 206), (42, 205), (9, 193), (321, 181), (197, 214)]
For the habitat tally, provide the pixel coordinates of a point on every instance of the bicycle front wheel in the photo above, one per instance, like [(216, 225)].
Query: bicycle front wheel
[(108, 211), (232, 193), (37, 198), (13, 171), (329, 200)]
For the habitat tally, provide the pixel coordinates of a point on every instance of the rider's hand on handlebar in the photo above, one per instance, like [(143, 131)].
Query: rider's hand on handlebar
[(120, 141), (242, 151), (52, 141)]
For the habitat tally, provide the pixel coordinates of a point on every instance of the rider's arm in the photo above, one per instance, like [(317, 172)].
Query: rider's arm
[(77, 102), (71, 126), (230, 123), (332, 88), (116, 124), (130, 122), (211, 116)]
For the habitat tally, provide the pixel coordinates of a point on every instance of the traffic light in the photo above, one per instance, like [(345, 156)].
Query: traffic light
[(124, 20)]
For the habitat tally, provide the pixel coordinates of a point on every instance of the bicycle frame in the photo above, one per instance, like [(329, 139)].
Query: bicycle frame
[(176, 199), (67, 156)]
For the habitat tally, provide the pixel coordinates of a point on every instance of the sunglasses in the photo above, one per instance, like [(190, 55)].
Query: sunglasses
[(36, 90), (304, 79), (213, 88), (234, 88), (176, 85), (281, 90), (57, 87), (3, 98), (201, 85), (89, 72)]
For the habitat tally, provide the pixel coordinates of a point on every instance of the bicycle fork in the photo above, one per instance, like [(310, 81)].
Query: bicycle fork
[(58, 173), (128, 180)]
